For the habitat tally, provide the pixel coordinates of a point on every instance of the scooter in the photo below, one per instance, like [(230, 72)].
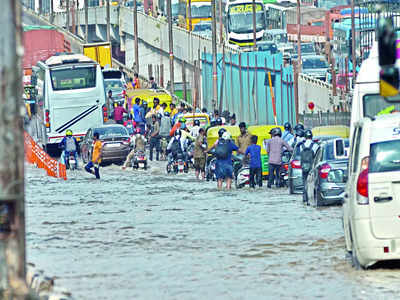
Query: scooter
[(241, 173), (178, 165), (139, 160), (284, 169), (164, 144), (71, 162), (210, 166)]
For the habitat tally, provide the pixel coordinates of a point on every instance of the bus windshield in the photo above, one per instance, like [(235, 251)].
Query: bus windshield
[(201, 10), (241, 18), (73, 78)]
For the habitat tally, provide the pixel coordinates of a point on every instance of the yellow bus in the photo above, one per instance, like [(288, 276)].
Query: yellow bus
[(200, 11)]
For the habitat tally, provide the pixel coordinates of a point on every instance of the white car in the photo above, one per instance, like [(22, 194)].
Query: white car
[(371, 210)]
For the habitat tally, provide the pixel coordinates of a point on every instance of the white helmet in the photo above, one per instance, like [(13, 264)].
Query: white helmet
[(226, 135)]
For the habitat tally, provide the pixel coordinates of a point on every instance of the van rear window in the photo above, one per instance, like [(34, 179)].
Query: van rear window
[(384, 157), (374, 104)]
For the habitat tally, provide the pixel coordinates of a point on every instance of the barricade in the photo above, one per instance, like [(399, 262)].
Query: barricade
[(34, 154)]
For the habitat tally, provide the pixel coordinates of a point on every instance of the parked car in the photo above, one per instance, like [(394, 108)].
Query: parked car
[(306, 49), (267, 46), (326, 181), (315, 66), (372, 197), (116, 143)]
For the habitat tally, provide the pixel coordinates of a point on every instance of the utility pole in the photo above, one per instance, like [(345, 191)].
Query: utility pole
[(299, 67), (135, 32), (12, 202), (51, 12), (86, 22), (190, 15), (221, 27), (353, 41), (171, 48), (214, 54), (67, 16), (108, 20), (254, 27)]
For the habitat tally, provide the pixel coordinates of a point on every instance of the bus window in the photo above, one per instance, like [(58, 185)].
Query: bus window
[(73, 78), (375, 104)]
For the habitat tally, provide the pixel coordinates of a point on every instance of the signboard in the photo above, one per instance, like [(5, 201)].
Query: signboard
[(244, 8)]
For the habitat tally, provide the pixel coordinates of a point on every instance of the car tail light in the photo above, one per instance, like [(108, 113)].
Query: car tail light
[(362, 188), (47, 115), (286, 167), (324, 171), (295, 164), (126, 140)]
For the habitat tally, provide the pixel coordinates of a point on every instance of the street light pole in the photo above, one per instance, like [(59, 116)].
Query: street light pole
[(254, 26), (353, 41), (135, 32), (86, 21), (298, 38), (171, 47), (214, 54), (108, 20), (67, 16)]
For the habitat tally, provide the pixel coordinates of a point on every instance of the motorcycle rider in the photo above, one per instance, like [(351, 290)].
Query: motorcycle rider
[(194, 132), (287, 134), (274, 148), (177, 125), (298, 137), (199, 156), (142, 112), (308, 149), (70, 146), (176, 145), (139, 145), (244, 139), (223, 152)]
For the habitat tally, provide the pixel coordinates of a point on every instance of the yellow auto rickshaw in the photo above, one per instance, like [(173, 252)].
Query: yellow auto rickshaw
[(212, 133), (148, 95), (262, 132), (203, 118), (331, 131)]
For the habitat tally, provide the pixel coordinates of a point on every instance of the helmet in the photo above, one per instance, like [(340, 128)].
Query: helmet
[(300, 132), (276, 131), (218, 121), (226, 135), (166, 114), (221, 132), (287, 126), (196, 122), (182, 120), (299, 126), (144, 103), (177, 132), (159, 116), (308, 134), (68, 132)]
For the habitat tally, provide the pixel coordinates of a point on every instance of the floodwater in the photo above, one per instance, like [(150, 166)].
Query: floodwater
[(148, 235)]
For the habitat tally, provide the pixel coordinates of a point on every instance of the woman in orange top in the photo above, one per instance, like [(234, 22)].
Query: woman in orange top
[(96, 157), (136, 81)]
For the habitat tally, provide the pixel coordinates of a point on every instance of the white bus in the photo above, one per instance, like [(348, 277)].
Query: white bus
[(70, 95), (239, 22)]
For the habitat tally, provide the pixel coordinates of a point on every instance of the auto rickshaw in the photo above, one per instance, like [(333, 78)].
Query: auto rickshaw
[(148, 95), (203, 118), (212, 133), (262, 132)]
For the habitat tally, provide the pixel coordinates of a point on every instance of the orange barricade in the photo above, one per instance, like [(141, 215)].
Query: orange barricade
[(36, 155)]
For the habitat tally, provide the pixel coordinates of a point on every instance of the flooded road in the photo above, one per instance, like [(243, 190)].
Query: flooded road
[(147, 235)]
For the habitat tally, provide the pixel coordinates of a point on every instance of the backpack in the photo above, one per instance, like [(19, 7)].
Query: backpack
[(222, 150), (176, 146), (307, 157)]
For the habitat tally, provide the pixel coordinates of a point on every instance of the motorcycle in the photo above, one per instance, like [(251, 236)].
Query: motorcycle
[(241, 172), (139, 160), (210, 166), (178, 165), (71, 163), (284, 169)]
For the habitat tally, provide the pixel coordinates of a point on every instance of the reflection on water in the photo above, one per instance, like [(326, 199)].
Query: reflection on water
[(146, 235)]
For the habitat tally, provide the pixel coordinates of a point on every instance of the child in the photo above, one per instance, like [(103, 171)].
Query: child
[(96, 157), (254, 151)]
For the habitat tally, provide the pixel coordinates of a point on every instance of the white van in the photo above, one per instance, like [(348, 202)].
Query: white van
[(371, 210)]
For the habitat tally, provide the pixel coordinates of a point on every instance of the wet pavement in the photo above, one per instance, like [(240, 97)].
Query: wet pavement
[(148, 235)]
